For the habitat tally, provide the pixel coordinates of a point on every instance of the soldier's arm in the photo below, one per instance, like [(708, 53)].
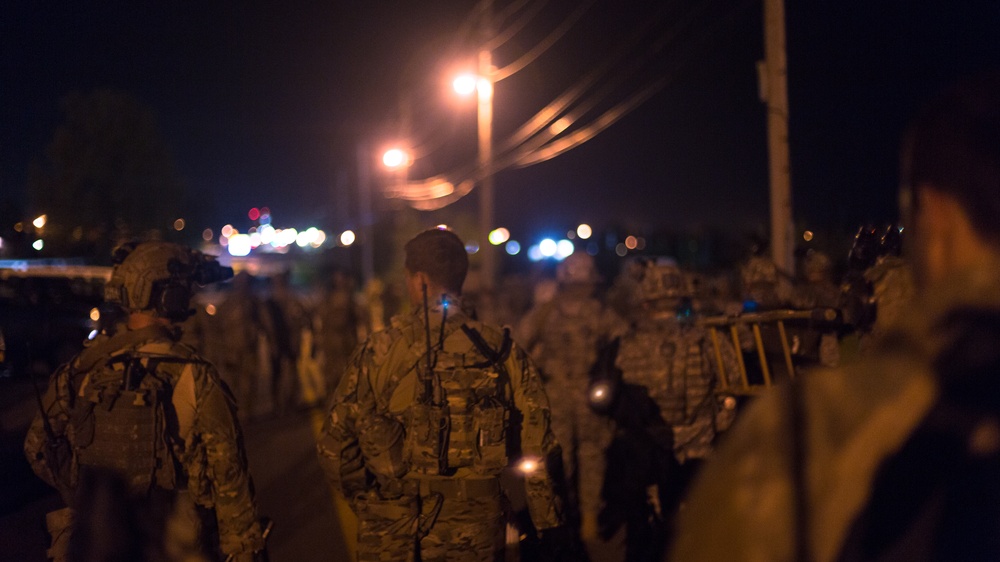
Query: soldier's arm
[(338, 447), (222, 464), (540, 452)]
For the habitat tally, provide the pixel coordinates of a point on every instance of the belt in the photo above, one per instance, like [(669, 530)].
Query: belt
[(459, 488)]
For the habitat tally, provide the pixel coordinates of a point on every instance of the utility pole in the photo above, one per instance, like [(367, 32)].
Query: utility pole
[(773, 72), (485, 129)]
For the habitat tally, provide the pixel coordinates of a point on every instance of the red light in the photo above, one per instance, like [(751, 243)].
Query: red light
[(254, 214)]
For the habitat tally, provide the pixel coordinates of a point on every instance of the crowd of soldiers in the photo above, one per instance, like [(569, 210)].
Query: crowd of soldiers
[(590, 423)]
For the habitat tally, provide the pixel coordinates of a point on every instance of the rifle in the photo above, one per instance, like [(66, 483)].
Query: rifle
[(433, 394)]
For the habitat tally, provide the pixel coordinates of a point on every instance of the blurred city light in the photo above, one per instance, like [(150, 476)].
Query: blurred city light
[(592, 248), (254, 239), (472, 247), (807, 236), (95, 314), (621, 250), (267, 234), (179, 225), (19, 227), (513, 247), (227, 231), (548, 247), (535, 253), (564, 249), (210, 309), (347, 237), (527, 465), (38, 244), (239, 245), (631, 242), (207, 235), (254, 214), (499, 236), (584, 231), (40, 221)]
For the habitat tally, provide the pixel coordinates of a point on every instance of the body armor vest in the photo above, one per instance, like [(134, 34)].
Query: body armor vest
[(672, 367), (120, 423), (466, 426)]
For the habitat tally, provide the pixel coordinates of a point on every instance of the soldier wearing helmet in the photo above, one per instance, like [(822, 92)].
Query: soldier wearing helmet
[(672, 360), (147, 409), (564, 336)]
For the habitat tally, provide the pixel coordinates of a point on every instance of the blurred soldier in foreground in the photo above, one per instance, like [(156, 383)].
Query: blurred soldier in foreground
[(428, 414), (674, 361), (896, 457), (564, 336), (144, 407)]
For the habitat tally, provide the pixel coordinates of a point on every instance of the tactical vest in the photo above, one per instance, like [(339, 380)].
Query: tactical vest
[(121, 422), (673, 368), (466, 427)]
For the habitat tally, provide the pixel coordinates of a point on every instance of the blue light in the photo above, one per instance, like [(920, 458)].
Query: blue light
[(535, 253), (513, 248)]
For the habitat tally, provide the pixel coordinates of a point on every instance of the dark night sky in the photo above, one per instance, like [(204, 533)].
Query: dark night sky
[(265, 104)]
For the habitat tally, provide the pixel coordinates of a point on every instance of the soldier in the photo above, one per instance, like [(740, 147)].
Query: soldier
[(891, 282), (143, 406), (428, 414), (246, 348), (337, 323), (564, 336), (673, 358), (290, 325), (894, 457)]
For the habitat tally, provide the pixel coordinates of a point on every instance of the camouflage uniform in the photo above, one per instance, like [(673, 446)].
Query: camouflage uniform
[(892, 291), (564, 336), (402, 511), (196, 449), (767, 505)]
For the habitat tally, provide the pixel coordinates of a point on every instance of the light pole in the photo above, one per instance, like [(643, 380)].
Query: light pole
[(482, 84)]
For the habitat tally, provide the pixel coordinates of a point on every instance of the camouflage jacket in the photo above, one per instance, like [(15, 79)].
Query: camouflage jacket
[(395, 353), (207, 444), (565, 334), (678, 366), (760, 498)]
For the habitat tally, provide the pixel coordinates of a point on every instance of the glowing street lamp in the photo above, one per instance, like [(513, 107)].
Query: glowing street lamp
[(396, 158)]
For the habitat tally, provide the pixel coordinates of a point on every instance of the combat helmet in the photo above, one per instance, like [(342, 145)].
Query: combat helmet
[(159, 277), (577, 268), (865, 249), (662, 279)]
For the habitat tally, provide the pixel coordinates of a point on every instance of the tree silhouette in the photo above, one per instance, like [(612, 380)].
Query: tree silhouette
[(107, 177)]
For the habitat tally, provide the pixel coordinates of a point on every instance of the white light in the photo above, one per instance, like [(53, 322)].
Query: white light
[(527, 465), (395, 158), (40, 221), (499, 236), (267, 234), (600, 394), (286, 237), (92, 334), (239, 245), (347, 237), (464, 84), (513, 247), (255, 241), (548, 247), (303, 239), (584, 231), (228, 231), (535, 253), (319, 240), (472, 247), (38, 244), (564, 249), (485, 88)]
